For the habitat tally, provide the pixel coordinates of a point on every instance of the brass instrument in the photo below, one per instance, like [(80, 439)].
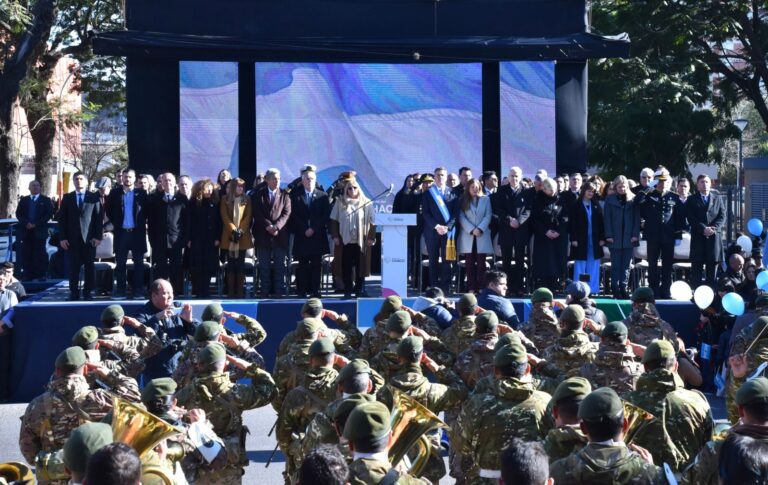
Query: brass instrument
[(15, 472), (410, 423), (637, 419)]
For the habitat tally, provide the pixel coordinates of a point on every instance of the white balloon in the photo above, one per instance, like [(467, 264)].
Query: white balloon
[(745, 243), (680, 291), (703, 296)]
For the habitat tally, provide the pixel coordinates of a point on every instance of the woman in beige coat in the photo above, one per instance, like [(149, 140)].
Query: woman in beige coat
[(236, 235), (352, 228)]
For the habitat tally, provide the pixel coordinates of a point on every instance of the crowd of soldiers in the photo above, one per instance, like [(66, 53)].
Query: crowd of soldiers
[(607, 402)]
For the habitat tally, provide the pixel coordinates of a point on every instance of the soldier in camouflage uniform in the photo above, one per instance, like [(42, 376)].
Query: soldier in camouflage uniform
[(290, 368), (369, 433), (460, 334), (745, 360), (644, 324), (683, 423), (254, 333), (573, 348), (488, 421), (410, 380), (615, 363), (752, 402), (316, 390), (606, 459), (377, 336), (224, 402), (112, 354), (346, 338), (476, 361), (542, 327), (68, 402), (114, 320), (566, 437)]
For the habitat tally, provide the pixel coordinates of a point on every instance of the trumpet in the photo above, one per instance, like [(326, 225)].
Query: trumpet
[(410, 423), (637, 418)]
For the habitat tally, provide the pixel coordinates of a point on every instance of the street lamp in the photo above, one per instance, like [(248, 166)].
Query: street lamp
[(741, 124)]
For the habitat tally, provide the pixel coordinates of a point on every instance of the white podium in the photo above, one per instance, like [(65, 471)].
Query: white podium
[(394, 252)]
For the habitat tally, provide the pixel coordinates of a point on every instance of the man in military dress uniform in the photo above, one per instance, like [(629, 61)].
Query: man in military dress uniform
[(566, 437), (644, 324), (615, 363)]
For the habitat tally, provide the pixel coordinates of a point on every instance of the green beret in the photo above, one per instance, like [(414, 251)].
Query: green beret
[(467, 302), (399, 322), (409, 346), (314, 304), (542, 294), (658, 350), (391, 304), (341, 413), (368, 421), (207, 331), (112, 314), (761, 301), (600, 403), (754, 390), (486, 322), (212, 353), (643, 295), (572, 387), (572, 314), (213, 311), (308, 326), (513, 353), (70, 359), (85, 336), (616, 328), (84, 442), (157, 388), (321, 346), (507, 339), (355, 366)]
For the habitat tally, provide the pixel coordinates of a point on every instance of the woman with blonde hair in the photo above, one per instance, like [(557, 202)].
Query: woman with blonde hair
[(205, 233), (352, 229), (550, 238), (619, 219), (236, 235), (474, 236)]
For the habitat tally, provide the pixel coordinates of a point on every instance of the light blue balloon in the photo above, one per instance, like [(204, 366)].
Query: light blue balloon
[(762, 280), (755, 226), (733, 304)]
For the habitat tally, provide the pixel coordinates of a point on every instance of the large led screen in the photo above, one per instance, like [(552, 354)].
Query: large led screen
[(208, 118), (382, 120), (528, 116)]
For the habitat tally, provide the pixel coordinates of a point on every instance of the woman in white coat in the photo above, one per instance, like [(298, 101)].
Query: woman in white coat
[(474, 240)]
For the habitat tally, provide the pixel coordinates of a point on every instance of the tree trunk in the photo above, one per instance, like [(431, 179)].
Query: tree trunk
[(43, 137), (10, 168)]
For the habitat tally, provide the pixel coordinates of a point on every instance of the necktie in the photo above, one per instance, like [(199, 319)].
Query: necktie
[(271, 197), (79, 200), (167, 197), (706, 199), (308, 198)]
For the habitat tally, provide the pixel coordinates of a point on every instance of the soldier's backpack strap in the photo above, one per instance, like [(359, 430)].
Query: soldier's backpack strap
[(390, 478)]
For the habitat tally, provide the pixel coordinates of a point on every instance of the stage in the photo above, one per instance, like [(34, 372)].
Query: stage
[(43, 328)]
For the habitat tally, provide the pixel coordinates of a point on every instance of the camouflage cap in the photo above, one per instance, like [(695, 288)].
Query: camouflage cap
[(658, 350), (409, 346), (368, 421), (643, 294), (345, 407), (614, 329), (391, 304), (212, 353), (572, 387), (85, 336), (506, 339), (70, 359), (754, 390), (83, 442), (112, 314), (542, 294), (308, 326), (315, 304), (467, 303), (513, 353), (157, 388), (399, 322), (207, 331), (321, 346), (600, 403), (573, 314), (355, 366), (486, 322), (578, 290), (212, 311)]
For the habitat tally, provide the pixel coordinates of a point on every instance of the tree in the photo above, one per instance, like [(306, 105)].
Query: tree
[(97, 151)]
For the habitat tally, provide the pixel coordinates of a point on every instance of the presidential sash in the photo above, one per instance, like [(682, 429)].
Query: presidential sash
[(450, 246)]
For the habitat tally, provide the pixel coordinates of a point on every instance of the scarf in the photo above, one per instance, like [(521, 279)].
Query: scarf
[(234, 247)]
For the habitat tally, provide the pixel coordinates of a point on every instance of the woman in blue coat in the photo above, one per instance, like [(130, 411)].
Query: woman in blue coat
[(586, 235)]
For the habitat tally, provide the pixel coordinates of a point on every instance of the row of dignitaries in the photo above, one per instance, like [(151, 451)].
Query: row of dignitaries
[(606, 402)]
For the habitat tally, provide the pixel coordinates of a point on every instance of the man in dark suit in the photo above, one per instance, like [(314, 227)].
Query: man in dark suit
[(168, 226), (271, 210), (706, 216), (130, 229), (33, 213), (662, 225), (573, 193), (513, 207), (80, 231), (436, 229), (310, 208)]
